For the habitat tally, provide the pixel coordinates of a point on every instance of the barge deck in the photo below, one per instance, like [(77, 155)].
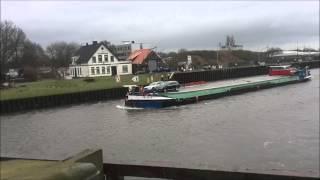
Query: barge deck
[(229, 85)]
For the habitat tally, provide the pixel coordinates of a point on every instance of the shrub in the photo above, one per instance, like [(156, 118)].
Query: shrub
[(30, 73), (89, 80)]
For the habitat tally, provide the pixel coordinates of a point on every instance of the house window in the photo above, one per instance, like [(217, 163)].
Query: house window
[(108, 69), (94, 60), (103, 71), (111, 58), (101, 48), (106, 58), (100, 58), (92, 70), (125, 68), (80, 71), (98, 70)]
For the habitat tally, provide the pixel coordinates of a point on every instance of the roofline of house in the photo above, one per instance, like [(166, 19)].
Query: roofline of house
[(100, 43)]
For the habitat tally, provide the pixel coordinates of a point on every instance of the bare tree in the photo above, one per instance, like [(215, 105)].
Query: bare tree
[(32, 55), (181, 51), (60, 53), (272, 51), (12, 39), (309, 50), (110, 46)]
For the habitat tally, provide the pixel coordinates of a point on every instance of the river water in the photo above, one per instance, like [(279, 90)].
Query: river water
[(273, 129)]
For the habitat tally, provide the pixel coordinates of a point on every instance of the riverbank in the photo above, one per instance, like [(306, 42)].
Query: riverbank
[(58, 87), (44, 94)]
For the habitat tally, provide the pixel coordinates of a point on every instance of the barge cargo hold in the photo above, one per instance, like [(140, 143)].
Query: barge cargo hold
[(195, 93)]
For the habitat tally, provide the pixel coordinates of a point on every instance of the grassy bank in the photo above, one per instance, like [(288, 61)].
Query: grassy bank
[(53, 87)]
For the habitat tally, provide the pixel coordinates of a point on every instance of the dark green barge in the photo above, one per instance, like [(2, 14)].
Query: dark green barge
[(195, 93)]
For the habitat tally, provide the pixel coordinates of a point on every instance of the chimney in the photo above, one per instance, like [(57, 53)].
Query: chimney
[(94, 42), (141, 46), (87, 44)]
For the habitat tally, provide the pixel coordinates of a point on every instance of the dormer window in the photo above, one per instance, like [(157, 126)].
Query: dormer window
[(106, 58), (100, 58)]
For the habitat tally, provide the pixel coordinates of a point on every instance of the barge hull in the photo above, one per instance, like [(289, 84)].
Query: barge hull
[(150, 104)]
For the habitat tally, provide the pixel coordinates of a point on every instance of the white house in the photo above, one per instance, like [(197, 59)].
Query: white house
[(96, 60)]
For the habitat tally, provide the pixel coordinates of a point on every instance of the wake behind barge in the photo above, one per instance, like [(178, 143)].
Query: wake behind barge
[(278, 75)]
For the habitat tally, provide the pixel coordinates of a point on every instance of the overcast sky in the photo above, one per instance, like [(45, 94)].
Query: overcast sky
[(169, 25)]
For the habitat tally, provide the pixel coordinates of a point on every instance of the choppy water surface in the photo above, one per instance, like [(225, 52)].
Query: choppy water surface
[(275, 129)]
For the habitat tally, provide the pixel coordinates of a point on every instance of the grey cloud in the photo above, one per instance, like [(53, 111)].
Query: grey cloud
[(253, 36), (171, 25)]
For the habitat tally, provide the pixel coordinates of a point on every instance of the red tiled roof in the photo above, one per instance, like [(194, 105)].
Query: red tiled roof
[(139, 56)]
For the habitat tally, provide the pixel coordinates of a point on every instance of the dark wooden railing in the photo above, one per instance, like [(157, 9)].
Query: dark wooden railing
[(234, 72), (119, 171)]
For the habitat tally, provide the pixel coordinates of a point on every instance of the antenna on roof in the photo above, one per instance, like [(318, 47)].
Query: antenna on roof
[(133, 42), (128, 42)]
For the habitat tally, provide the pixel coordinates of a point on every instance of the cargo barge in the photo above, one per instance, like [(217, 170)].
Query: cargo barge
[(278, 76)]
